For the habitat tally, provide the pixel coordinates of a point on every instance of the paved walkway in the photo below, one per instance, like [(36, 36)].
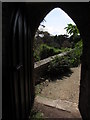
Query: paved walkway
[(66, 88), (62, 105), (61, 95)]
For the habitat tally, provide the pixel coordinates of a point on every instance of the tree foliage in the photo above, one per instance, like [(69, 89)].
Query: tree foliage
[(72, 29), (43, 41)]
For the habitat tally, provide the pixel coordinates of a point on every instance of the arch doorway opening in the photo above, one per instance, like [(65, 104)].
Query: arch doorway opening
[(57, 65)]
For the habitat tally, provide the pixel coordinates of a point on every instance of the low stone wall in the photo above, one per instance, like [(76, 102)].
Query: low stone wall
[(41, 66)]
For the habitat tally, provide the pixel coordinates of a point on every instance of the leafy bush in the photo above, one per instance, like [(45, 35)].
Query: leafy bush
[(36, 56), (58, 65), (46, 51), (76, 54), (62, 64), (65, 49)]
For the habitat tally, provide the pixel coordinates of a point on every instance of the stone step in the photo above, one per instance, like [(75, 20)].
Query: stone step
[(59, 104)]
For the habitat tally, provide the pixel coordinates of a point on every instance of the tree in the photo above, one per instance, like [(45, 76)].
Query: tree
[(72, 30)]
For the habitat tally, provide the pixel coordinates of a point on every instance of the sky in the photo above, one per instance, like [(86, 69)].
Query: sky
[(56, 21)]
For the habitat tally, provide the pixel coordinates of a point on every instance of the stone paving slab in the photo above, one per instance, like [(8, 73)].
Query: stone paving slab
[(59, 104)]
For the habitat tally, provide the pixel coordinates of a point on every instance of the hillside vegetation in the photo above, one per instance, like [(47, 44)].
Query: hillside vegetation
[(46, 45)]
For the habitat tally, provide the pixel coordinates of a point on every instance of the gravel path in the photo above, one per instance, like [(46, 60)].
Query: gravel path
[(64, 89)]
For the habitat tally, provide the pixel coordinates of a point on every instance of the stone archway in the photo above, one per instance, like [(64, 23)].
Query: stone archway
[(41, 70), (78, 13), (35, 12)]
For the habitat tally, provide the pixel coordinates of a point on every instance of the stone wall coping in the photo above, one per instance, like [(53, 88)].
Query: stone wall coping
[(47, 60)]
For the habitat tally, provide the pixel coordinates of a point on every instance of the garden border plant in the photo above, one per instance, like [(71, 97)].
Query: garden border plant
[(60, 65)]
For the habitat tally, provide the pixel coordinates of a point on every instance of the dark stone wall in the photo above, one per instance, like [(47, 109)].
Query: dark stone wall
[(6, 93), (17, 85)]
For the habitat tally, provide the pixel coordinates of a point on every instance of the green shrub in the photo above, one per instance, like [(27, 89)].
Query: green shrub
[(76, 54), (61, 65), (46, 51), (58, 65), (65, 49), (36, 56), (74, 58)]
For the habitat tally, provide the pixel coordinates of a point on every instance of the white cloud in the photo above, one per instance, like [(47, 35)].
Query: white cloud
[(55, 30), (56, 21)]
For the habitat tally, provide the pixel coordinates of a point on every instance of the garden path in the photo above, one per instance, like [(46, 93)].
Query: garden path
[(65, 89)]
